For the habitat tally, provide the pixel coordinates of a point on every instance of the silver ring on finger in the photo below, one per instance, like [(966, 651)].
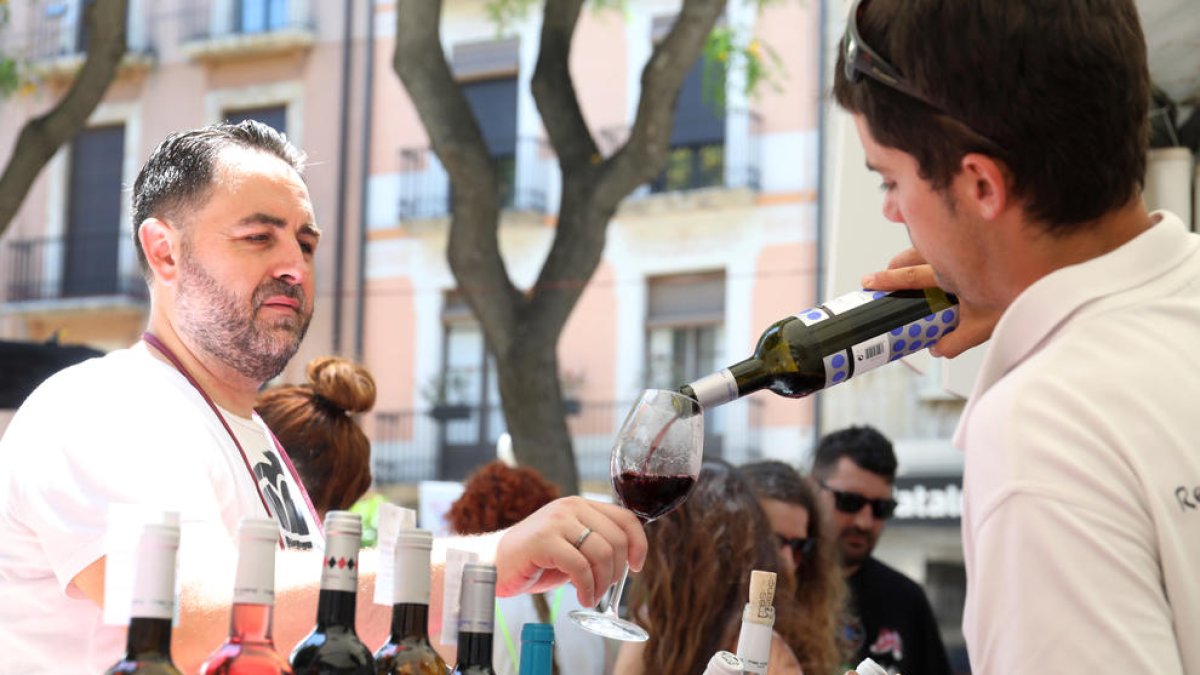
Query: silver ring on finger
[(578, 543)]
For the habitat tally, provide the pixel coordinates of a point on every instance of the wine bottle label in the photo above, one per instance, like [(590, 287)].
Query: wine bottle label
[(715, 389), (879, 350), (340, 569)]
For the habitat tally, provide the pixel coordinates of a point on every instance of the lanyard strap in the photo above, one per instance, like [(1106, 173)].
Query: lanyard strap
[(153, 341)]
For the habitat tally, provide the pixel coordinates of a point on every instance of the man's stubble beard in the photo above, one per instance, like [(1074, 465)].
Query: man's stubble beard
[(224, 327)]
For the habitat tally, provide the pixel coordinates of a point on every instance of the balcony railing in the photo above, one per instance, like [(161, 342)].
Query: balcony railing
[(410, 446), (215, 29), (58, 268), (53, 34), (731, 162), (425, 190)]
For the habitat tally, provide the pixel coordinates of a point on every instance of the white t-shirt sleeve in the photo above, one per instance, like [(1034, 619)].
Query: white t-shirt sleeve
[(74, 455)]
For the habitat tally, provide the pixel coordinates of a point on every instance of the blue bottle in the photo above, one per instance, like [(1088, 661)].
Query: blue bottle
[(537, 649)]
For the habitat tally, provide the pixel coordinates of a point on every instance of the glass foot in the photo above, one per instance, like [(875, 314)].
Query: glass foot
[(609, 626)]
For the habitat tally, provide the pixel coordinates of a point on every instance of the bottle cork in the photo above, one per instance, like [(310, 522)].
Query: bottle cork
[(762, 597)]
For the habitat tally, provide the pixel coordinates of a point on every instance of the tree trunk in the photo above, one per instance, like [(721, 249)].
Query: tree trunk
[(41, 136), (523, 328)]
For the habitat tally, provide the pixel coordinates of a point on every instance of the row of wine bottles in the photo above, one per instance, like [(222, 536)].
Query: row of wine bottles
[(333, 646)]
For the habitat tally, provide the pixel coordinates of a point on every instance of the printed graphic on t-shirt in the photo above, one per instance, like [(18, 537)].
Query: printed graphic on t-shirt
[(285, 505), (888, 644)]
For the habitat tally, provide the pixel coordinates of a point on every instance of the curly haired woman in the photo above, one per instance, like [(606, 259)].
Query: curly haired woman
[(691, 591)]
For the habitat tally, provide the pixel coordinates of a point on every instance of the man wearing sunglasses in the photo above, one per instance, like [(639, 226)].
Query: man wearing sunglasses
[(1011, 138), (890, 619)]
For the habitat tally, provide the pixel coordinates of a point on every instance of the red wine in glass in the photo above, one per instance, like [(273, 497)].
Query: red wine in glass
[(651, 496), (655, 460)]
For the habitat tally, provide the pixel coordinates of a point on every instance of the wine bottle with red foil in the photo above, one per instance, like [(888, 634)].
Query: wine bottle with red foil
[(148, 644), (250, 649), (333, 647), (476, 620), (830, 343), (408, 651)]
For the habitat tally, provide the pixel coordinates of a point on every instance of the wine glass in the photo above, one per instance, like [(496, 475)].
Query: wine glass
[(655, 461)]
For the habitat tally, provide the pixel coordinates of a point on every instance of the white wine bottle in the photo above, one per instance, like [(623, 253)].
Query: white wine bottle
[(758, 621), (830, 343)]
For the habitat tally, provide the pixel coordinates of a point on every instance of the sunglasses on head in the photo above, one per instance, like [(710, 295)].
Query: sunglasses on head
[(852, 502), (860, 60), (800, 546)]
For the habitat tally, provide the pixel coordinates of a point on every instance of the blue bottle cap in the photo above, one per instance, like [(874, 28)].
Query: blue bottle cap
[(537, 632)]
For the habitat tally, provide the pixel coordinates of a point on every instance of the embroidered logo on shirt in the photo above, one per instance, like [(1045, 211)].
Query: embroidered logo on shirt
[(888, 642), (281, 502)]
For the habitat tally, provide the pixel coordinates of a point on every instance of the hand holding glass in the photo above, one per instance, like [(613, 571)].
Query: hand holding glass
[(655, 461)]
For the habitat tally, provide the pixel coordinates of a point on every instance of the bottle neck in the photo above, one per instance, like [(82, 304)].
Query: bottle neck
[(537, 658), (410, 621), (474, 649), (148, 638), (251, 623), (336, 609)]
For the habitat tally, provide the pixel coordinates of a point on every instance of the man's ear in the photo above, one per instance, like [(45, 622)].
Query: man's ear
[(160, 243), (984, 182)]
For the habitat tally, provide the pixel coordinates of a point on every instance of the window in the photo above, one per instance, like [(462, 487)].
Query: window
[(697, 156), (685, 334), (93, 223), (684, 327), (274, 116), (260, 16), (487, 72), (468, 395)]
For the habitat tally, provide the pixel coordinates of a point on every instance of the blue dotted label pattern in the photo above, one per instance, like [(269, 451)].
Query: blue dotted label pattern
[(922, 333), (908, 339)]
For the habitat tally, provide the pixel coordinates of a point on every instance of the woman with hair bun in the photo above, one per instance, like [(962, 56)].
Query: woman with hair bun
[(314, 422)]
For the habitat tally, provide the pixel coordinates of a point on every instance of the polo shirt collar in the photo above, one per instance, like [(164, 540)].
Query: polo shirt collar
[(1046, 304)]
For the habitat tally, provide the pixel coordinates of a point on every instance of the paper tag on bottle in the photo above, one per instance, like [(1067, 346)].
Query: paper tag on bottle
[(392, 519), (125, 525), (452, 592)]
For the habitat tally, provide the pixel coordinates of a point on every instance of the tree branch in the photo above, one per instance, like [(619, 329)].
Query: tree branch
[(554, 90), (473, 249), (41, 136), (644, 153)]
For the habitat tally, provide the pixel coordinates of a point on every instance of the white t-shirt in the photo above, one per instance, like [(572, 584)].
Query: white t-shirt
[(124, 428), (1081, 512)]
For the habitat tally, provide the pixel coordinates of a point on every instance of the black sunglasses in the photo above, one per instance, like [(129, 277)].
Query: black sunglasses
[(800, 546), (852, 502), (860, 60)]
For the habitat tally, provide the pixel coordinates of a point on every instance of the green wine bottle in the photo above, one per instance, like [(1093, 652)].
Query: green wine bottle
[(830, 343)]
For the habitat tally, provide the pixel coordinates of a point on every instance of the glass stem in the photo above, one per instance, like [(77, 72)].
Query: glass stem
[(615, 600)]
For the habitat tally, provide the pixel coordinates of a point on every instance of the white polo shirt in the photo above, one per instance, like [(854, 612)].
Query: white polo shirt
[(1081, 514)]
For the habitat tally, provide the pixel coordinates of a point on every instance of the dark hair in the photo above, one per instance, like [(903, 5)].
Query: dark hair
[(1063, 87), (179, 174), (696, 579), (863, 445), (820, 588), (497, 496), (312, 421)]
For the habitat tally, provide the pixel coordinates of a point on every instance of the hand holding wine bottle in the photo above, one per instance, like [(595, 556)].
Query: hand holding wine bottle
[(908, 270)]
